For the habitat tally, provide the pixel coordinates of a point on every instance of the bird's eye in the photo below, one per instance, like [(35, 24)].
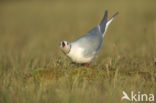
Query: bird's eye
[(63, 44)]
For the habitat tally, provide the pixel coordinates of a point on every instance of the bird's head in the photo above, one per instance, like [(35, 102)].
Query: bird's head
[(65, 46)]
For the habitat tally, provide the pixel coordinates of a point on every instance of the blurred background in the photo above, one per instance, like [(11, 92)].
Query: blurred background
[(38, 26)]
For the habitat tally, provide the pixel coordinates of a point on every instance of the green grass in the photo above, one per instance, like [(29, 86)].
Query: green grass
[(34, 70)]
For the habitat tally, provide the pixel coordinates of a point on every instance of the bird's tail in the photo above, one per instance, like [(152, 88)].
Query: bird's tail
[(103, 23), (108, 22)]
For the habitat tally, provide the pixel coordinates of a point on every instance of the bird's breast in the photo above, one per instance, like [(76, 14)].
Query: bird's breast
[(76, 55)]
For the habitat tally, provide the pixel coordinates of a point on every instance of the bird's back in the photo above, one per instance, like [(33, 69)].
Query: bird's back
[(85, 48), (90, 43)]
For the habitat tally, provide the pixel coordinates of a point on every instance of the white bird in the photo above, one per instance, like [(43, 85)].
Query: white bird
[(84, 49)]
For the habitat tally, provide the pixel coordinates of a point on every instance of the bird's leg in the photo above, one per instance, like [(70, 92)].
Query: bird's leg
[(86, 64)]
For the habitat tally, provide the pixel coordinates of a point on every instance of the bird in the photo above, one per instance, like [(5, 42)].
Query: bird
[(84, 49)]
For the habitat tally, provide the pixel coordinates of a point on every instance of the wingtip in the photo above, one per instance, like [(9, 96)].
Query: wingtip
[(106, 11), (116, 14)]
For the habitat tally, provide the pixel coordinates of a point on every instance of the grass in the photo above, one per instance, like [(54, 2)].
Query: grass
[(34, 70)]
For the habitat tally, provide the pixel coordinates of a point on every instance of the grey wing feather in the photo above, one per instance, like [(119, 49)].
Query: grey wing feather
[(103, 22), (101, 27), (108, 22), (92, 41)]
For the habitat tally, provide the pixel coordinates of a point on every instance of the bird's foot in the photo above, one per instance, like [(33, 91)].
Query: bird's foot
[(86, 65)]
